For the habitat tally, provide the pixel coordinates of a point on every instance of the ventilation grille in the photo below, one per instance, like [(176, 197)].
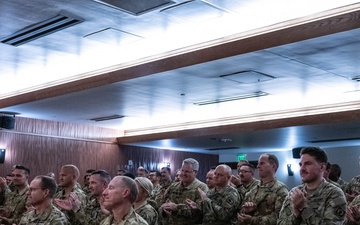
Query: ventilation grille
[(41, 29), (105, 118), (357, 78), (239, 97)]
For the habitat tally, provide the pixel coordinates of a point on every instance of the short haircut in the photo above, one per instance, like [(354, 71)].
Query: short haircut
[(336, 169), (316, 152), (25, 169), (167, 168), (127, 182), (227, 169), (157, 173), (193, 162), (132, 176), (48, 183), (90, 170), (104, 175), (273, 160), (73, 168), (251, 166)]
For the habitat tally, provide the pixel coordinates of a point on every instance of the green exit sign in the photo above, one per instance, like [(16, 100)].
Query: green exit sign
[(241, 157)]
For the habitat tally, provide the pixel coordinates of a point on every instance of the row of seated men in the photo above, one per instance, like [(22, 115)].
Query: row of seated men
[(223, 199)]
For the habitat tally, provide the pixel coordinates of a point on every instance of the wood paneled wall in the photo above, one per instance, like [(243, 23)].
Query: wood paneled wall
[(45, 146)]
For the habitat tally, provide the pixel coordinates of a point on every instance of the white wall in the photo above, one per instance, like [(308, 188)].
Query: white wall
[(346, 157)]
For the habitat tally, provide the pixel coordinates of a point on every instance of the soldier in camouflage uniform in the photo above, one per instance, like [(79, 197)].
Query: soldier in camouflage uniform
[(15, 201), (165, 182), (352, 189), (119, 197), (92, 213), (154, 177), (248, 182), (141, 206), (175, 210), (263, 203), (68, 191), (353, 212), (316, 201), (220, 205), (40, 194)]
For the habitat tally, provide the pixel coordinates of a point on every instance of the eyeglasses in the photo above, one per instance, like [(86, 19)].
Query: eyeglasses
[(244, 171)]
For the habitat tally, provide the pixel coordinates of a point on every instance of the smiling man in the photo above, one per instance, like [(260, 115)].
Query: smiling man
[(175, 210), (15, 201), (316, 201)]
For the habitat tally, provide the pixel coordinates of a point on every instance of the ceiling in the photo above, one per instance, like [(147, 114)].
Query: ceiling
[(207, 76)]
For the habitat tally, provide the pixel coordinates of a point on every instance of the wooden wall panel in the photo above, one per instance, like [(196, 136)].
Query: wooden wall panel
[(45, 146)]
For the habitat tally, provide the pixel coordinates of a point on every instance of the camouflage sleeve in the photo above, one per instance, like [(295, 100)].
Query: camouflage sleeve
[(273, 216), (60, 221), (185, 210), (228, 207), (286, 216)]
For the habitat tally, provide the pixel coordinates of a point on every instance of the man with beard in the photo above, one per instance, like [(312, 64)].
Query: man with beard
[(175, 210), (40, 194), (316, 201), (248, 182), (262, 204)]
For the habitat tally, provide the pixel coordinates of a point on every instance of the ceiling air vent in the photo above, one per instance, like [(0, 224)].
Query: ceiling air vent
[(104, 118), (135, 7), (356, 78), (233, 98), (41, 29)]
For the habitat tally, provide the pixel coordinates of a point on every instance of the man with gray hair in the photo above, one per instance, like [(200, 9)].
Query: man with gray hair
[(119, 198), (174, 209)]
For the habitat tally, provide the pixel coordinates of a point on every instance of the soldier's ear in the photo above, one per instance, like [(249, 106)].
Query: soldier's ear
[(46, 193)]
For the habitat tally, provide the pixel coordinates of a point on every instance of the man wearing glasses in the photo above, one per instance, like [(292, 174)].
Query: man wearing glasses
[(175, 210), (41, 191), (246, 174)]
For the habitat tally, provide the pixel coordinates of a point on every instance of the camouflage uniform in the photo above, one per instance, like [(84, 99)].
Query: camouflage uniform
[(160, 195), (60, 194), (177, 193), (51, 216), (15, 204), (243, 189), (131, 219), (354, 203), (220, 207), (326, 205), (91, 214), (268, 199), (154, 193), (148, 213), (353, 185)]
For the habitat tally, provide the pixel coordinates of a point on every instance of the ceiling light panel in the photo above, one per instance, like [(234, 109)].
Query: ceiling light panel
[(194, 11), (247, 77), (135, 7), (113, 37), (233, 98)]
